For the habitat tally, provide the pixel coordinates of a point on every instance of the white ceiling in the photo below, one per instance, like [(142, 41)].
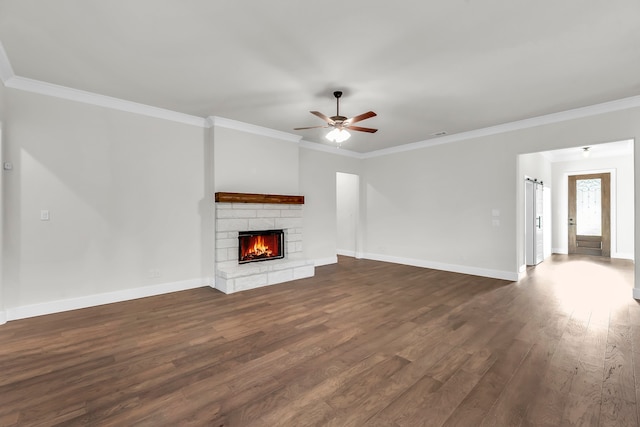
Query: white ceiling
[(423, 66)]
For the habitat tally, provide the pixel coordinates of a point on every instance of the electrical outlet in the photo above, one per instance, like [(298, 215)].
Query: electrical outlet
[(154, 274), (44, 215)]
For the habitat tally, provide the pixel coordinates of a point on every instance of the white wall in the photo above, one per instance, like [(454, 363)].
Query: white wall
[(347, 207), (622, 245), (249, 163), (433, 205), (535, 165), (636, 206), (124, 193), (318, 185), (207, 208), (3, 315), (2, 90), (130, 194)]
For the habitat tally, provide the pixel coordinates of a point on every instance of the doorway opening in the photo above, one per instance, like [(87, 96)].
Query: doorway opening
[(554, 168), (347, 213)]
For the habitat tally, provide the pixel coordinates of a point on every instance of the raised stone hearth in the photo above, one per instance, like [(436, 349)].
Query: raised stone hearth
[(237, 278), (278, 212)]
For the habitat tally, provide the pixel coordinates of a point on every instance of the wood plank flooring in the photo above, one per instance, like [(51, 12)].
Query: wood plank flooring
[(363, 343)]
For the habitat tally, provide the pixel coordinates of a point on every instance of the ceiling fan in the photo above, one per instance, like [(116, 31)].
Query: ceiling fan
[(341, 123)]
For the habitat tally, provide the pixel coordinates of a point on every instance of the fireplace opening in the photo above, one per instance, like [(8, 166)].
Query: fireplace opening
[(261, 245)]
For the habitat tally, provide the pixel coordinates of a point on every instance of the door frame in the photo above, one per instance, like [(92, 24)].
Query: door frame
[(608, 215)]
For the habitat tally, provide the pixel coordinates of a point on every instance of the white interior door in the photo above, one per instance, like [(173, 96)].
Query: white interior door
[(539, 223), (534, 223)]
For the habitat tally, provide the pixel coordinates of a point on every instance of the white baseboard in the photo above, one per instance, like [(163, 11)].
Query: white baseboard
[(623, 255), (352, 254), (522, 272), (3, 317), (346, 252), (325, 261), (475, 271), (58, 306), (617, 255), (636, 293)]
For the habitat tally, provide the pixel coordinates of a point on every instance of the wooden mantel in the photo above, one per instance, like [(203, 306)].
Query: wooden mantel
[(258, 198)]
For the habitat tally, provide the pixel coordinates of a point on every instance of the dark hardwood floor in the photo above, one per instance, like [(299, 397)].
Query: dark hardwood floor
[(363, 343)]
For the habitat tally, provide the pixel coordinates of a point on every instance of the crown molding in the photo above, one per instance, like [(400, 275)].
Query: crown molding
[(413, 146), (333, 150), (562, 116), (10, 80), (50, 89), (249, 128), (6, 71)]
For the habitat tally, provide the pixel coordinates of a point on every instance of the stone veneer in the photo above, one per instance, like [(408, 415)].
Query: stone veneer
[(232, 218)]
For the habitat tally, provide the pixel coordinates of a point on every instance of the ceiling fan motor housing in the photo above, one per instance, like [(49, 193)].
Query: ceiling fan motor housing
[(341, 122)]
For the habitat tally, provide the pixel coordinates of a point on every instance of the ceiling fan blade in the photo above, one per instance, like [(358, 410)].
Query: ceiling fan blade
[(311, 127), (322, 116), (361, 129), (361, 117)]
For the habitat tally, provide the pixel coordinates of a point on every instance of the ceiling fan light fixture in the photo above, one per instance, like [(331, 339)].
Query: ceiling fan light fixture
[(341, 123), (338, 135)]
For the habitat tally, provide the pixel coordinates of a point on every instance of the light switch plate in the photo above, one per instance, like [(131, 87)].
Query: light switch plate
[(44, 215)]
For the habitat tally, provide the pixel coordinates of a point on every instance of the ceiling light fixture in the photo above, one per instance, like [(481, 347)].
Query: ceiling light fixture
[(585, 152), (340, 124), (338, 135)]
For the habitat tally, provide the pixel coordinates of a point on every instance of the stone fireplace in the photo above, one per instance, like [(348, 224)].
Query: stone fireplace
[(240, 215)]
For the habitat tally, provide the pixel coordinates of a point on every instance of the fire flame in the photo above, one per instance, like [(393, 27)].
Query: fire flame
[(259, 247)]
